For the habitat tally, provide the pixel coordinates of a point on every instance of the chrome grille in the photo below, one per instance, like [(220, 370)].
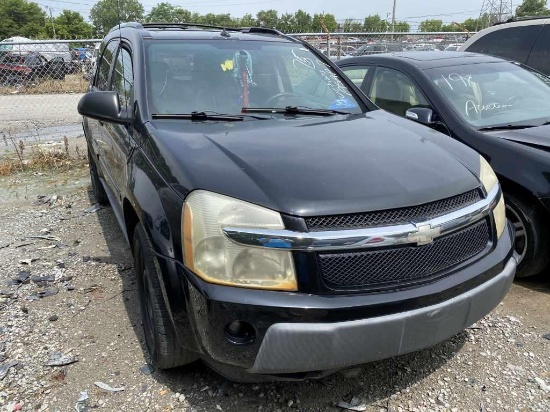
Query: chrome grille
[(394, 216), (402, 265)]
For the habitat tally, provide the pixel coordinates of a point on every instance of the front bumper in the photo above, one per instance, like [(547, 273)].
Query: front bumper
[(300, 347), (299, 333)]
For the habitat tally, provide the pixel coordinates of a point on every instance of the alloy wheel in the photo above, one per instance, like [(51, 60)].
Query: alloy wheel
[(520, 243)]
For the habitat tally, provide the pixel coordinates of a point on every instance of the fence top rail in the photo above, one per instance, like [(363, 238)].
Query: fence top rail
[(13, 43), (412, 34)]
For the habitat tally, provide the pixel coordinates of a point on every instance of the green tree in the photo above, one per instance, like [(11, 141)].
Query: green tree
[(432, 25), (248, 20), (471, 24), (21, 18), (166, 12), (303, 22), (532, 8), (449, 28), (69, 25), (105, 14), (352, 26), (329, 21), (268, 18), (402, 27), (375, 24), (287, 23)]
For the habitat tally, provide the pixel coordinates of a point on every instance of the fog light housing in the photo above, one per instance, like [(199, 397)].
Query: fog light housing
[(239, 332)]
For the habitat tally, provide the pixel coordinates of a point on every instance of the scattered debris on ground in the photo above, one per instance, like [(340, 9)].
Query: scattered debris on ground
[(71, 340)]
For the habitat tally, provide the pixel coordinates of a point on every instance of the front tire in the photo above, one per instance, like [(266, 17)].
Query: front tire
[(98, 190), (160, 337), (532, 242)]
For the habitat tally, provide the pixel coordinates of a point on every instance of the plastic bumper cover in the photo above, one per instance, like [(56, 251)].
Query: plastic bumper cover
[(301, 347)]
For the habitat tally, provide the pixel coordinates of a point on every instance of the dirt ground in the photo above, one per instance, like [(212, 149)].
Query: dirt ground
[(81, 301)]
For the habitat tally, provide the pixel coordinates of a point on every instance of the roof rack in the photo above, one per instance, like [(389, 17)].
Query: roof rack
[(526, 18), (185, 26), (132, 24), (261, 30)]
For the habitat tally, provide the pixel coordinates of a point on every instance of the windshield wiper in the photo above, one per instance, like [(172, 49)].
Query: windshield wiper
[(293, 110), (507, 127), (208, 116)]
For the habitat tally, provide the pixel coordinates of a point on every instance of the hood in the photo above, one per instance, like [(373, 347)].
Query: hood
[(310, 166), (537, 136)]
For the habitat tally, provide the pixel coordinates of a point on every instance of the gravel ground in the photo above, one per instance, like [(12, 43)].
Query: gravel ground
[(79, 307)]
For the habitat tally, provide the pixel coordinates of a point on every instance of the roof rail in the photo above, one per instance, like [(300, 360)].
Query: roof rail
[(185, 26), (526, 18), (262, 30), (132, 24)]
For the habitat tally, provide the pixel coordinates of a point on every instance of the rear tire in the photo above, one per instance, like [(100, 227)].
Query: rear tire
[(532, 242), (100, 195), (160, 337)]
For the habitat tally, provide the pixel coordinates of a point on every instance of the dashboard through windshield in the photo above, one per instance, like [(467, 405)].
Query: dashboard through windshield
[(224, 76)]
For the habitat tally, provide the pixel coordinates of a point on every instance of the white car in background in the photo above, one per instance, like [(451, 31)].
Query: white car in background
[(453, 47), (24, 45)]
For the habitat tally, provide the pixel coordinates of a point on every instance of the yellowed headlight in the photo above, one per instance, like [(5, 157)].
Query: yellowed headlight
[(216, 259), (487, 175), (489, 180), (499, 214)]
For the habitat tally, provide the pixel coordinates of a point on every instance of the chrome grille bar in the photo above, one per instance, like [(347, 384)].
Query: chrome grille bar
[(412, 233)]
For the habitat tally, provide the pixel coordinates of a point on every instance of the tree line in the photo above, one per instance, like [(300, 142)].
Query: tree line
[(25, 18)]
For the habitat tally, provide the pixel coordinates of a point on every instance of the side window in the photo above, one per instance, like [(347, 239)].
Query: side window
[(395, 92), (357, 74), (512, 43), (104, 67), (123, 78), (539, 59)]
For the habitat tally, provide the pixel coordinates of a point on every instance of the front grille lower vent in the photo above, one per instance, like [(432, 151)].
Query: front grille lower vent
[(402, 265), (394, 216)]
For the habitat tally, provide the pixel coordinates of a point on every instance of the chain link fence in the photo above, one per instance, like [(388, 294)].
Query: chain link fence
[(40, 85), (342, 45)]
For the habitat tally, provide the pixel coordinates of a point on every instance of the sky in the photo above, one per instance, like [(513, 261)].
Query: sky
[(412, 11)]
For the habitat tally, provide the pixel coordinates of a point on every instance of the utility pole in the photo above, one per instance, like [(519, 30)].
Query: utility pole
[(51, 20), (393, 17)]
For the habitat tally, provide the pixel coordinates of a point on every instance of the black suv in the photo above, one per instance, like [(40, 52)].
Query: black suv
[(282, 226), (525, 40)]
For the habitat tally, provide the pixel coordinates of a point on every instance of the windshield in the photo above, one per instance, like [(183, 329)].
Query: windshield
[(495, 94), (225, 76)]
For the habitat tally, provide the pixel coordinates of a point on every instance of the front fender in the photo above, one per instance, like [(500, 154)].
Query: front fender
[(158, 208)]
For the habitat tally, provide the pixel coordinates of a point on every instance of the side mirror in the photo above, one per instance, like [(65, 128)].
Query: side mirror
[(103, 106), (422, 115)]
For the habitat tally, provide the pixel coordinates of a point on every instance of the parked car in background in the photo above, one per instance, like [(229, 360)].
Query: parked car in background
[(525, 40), (48, 50), (282, 226), (453, 47), (335, 54), (29, 67), (378, 48), (497, 107)]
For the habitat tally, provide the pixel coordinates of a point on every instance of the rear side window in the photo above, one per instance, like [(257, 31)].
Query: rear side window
[(105, 65), (539, 59), (512, 43)]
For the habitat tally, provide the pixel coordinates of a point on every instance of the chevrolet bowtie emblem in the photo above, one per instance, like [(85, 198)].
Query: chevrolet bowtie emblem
[(424, 234)]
